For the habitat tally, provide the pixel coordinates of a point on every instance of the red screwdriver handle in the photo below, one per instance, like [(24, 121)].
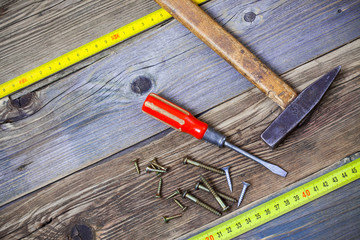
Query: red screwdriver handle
[(173, 115)]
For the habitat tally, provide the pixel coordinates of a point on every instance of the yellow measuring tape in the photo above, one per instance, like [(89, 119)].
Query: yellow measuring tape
[(85, 51), (284, 203)]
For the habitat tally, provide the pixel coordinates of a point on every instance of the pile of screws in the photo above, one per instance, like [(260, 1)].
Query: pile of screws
[(203, 185), (155, 167)]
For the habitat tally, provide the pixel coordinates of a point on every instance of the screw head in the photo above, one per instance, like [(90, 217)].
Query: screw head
[(225, 168), (197, 186), (246, 184), (184, 194), (226, 208), (165, 219), (185, 160)]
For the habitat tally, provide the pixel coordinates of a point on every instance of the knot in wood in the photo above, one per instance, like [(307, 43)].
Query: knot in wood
[(141, 85), (81, 232), (23, 101), (249, 16)]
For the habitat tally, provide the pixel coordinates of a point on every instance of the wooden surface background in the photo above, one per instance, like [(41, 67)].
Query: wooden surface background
[(53, 133)]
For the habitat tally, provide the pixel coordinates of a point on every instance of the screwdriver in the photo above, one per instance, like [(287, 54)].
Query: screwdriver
[(180, 119)]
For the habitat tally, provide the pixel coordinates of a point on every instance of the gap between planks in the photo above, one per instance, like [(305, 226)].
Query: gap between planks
[(115, 202), (75, 126)]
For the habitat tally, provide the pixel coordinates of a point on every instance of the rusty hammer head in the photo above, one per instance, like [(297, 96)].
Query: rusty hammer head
[(298, 109)]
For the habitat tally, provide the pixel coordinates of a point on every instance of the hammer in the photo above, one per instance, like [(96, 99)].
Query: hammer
[(296, 107)]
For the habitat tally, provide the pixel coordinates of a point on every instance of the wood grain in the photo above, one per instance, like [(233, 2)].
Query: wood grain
[(35, 32), (94, 113), (116, 202), (334, 214), (230, 49)]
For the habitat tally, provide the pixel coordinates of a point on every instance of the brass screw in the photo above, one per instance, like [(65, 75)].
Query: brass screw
[(136, 162), (216, 196), (223, 196), (177, 192), (180, 205), (154, 167), (149, 169), (155, 163), (207, 167), (166, 218), (158, 194), (198, 202)]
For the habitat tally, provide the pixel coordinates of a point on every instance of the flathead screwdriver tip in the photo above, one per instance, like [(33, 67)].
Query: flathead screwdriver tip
[(272, 167)]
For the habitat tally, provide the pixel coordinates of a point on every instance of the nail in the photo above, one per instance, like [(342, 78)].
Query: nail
[(136, 165), (216, 196), (207, 167), (177, 192), (223, 196), (243, 193), (228, 179), (180, 205), (200, 203), (149, 169), (158, 194), (166, 218)]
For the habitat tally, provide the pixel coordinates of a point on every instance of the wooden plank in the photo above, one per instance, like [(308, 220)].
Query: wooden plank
[(115, 202), (26, 26), (333, 215), (95, 113)]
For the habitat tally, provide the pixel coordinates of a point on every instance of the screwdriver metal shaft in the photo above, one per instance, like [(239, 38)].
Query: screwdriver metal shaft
[(219, 139), (275, 169)]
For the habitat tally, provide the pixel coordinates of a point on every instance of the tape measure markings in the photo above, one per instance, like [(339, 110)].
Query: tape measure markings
[(284, 203), (85, 51)]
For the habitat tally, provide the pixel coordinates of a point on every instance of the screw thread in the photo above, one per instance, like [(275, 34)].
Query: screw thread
[(177, 192), (180, 205), (137, 165), (158, 194), (228, 179), (204, 205), (243, 192), (216, 196), (155, 163), (166, 219), (201, 165), (223, 196), (148, 169), (200, 203), (154, 167)]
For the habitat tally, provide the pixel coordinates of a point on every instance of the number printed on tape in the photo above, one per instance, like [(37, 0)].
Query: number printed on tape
[(283, 203), (85, 51)]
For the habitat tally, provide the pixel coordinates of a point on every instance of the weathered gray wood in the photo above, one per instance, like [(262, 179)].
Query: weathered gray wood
[(334, 215), (35, 32), (94, 113), (115, 202)]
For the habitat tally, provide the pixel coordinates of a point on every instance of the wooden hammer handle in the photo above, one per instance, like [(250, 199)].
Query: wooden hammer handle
[(224, 44)]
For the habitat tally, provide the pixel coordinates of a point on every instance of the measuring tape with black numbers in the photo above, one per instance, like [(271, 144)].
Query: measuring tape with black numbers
[(85, 51), (284, 203)]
